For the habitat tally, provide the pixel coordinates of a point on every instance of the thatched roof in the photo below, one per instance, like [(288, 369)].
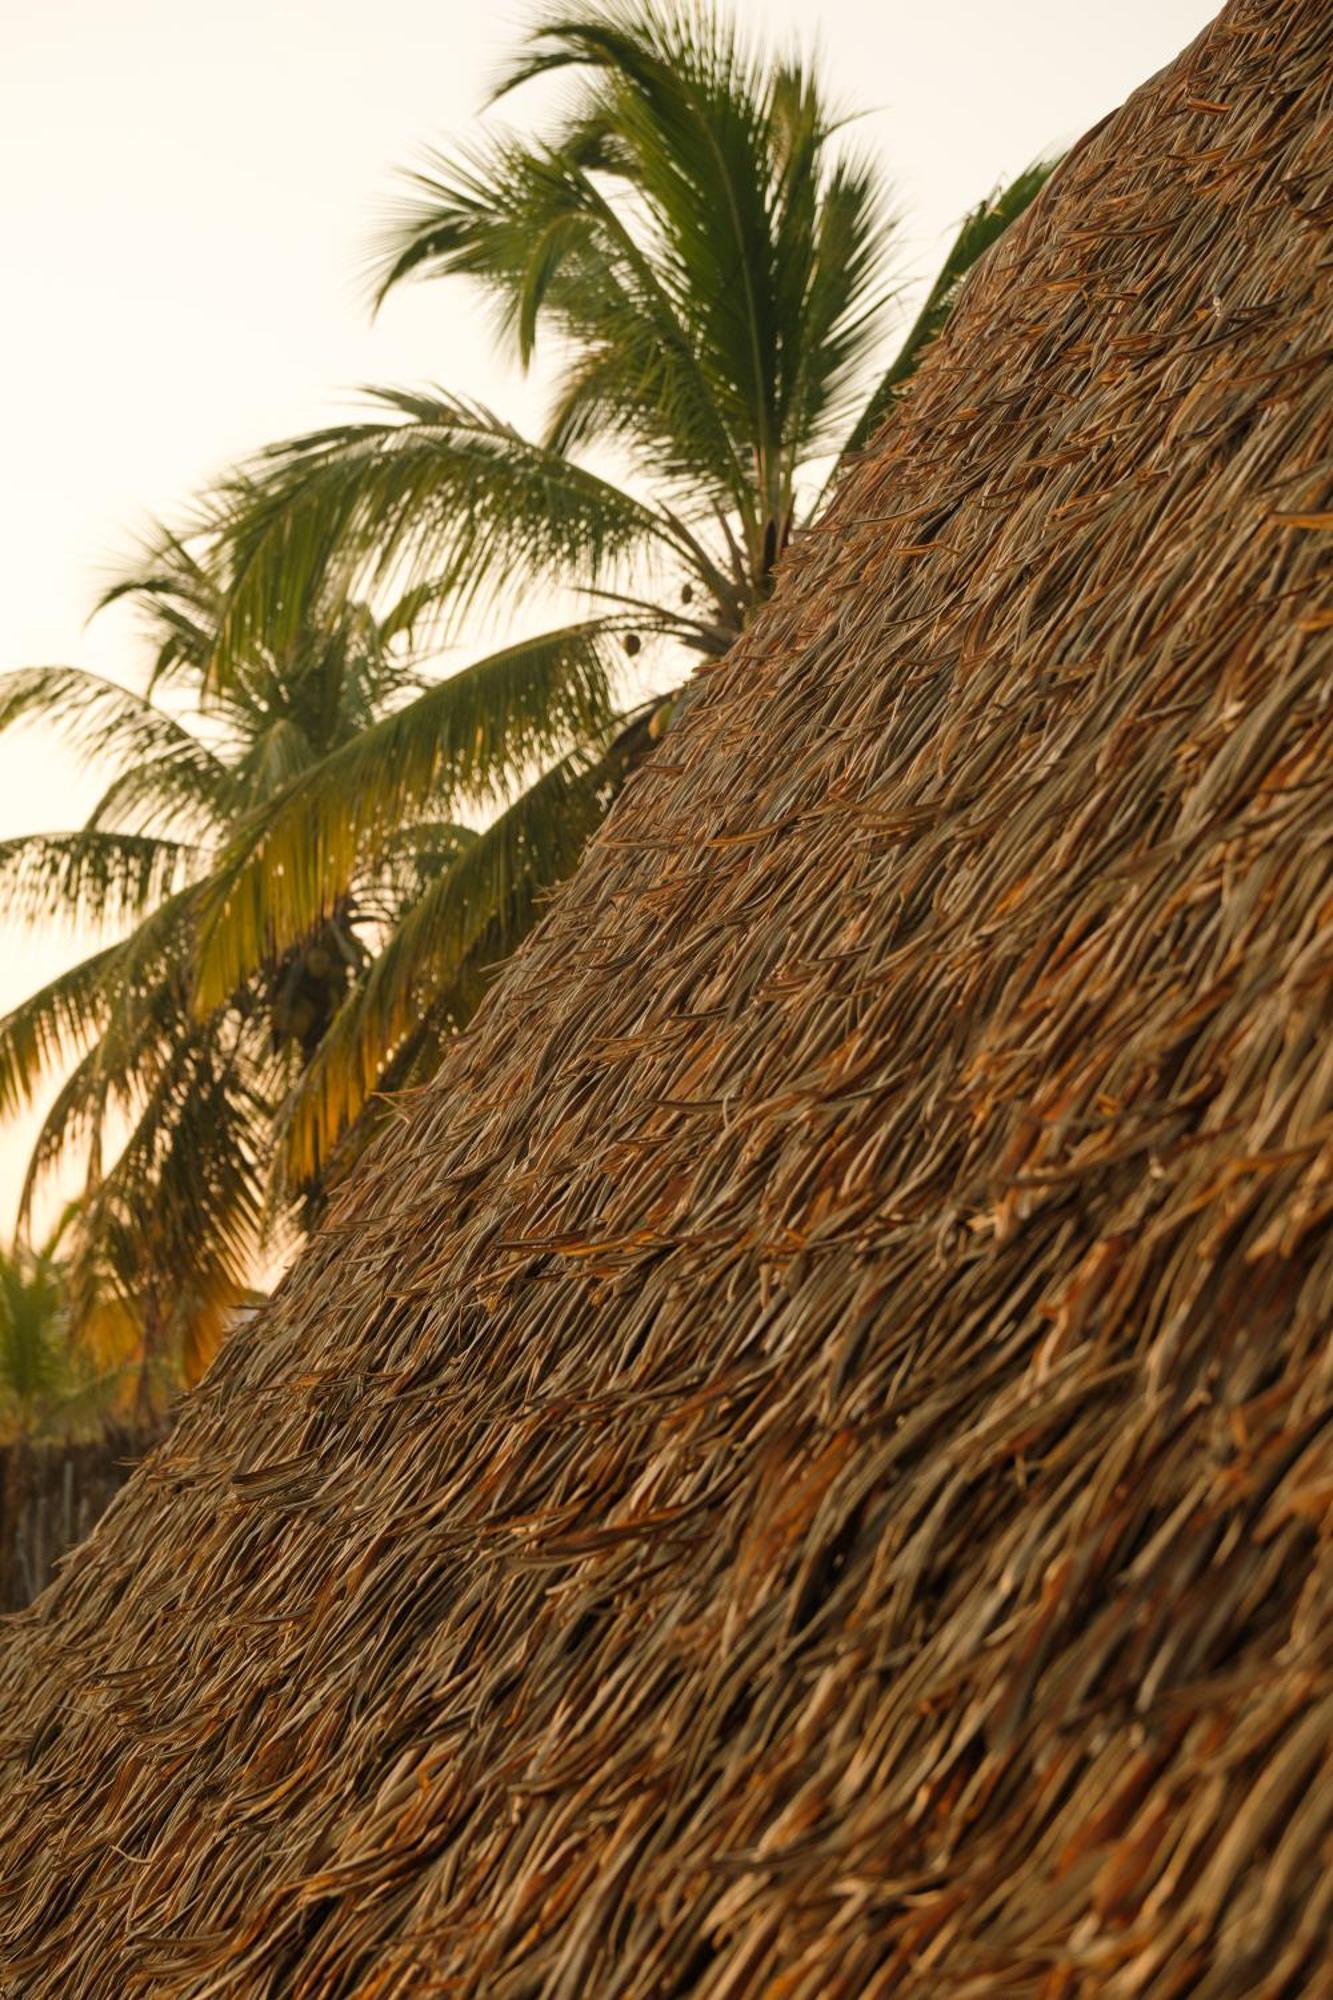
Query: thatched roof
[(804, 1465)]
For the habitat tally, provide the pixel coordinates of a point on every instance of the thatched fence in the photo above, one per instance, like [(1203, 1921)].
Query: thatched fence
[(50, 1496)]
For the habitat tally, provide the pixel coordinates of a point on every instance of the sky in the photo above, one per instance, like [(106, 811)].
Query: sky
[(188, 193)]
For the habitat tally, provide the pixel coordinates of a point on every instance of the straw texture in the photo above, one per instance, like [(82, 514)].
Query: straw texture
[(804, 1464)]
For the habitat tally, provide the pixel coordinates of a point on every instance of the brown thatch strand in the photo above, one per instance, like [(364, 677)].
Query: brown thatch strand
[(804, 1465)]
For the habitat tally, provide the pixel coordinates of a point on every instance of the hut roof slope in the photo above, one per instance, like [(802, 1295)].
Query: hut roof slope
[(804, 1463)]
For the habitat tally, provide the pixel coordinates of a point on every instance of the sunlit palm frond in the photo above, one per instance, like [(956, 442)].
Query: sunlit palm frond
[(402, 867), (459, 740), (51, 1025), (73, 1120), (278, 753), (468, 918), (136, 1009)]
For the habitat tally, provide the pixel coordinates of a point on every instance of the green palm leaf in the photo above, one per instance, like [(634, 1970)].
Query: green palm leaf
[(460, 739), (411, 858), (51, 1024), (172, 582), (533, 226), (89, 877), (775, 247), (33, 1365), (102, 720), (711, 258), (470, 917), (436, 485)]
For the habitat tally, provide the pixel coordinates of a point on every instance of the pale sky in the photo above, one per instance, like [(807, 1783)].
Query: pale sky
[(187, 192)]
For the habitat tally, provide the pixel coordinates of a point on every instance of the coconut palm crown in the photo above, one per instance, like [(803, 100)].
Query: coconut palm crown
[(173, 1104)]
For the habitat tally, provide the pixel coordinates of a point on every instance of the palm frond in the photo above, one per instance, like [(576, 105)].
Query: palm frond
[(435, 487), (175, 797), (459, 740), (102, 720), (171, 581), (533, 226), (734, 159), (434, 964), (411, 858), (74, 1118), (124, 1010), (50, 1025), (33, 1321), (183, 1205), (89, 877)]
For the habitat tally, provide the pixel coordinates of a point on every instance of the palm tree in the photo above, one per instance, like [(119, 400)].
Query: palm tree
[(173, 1104), (708, 254)]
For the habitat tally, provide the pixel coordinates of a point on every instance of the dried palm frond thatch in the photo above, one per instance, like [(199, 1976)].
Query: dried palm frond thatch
[(803, 1464)]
